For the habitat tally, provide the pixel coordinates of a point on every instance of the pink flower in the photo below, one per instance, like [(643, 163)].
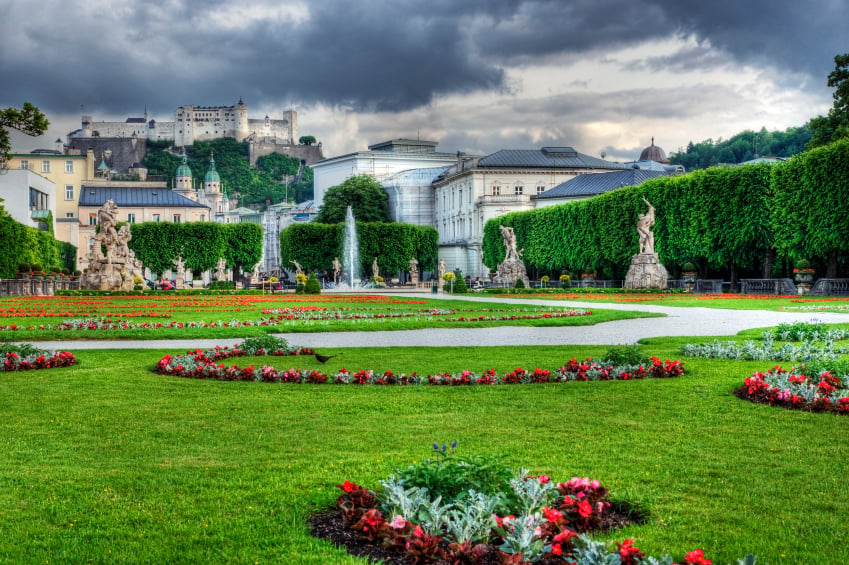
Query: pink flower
[(398, 522)]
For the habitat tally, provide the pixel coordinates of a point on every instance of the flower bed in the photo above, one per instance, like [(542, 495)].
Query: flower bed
[(476, 510), (203, 364), (794, 390), (41, 360)]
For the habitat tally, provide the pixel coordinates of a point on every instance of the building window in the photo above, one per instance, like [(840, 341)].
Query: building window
[(176, 218), (69, 192), (540, 189), (92, 219), (69, 214), (156, 217), (202, 217), (25, 164), (45, 166), (518, 190), (496, 190), (131, 218), (69, 166)]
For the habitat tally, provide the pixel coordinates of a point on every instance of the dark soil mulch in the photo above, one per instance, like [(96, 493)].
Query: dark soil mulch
[(330, 526)]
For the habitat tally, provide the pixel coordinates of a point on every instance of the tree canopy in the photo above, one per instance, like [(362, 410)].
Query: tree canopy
[(28, 120), (835, 125), (363, 194), (266, 184), (306, 140), (742, 147)]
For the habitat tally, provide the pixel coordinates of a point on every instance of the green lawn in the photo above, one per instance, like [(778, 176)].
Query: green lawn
[(107, 462)]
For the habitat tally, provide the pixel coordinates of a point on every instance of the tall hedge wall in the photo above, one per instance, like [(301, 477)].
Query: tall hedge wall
[(717, 218), (200, 244), (315, 245), (23, 244)]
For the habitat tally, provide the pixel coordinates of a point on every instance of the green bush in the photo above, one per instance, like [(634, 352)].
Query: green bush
[(460, 286), (520, 283), (312, 286), (619, 355)]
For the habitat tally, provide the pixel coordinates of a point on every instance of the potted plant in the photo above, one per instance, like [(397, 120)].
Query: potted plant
[(803, 272), (24, 270), (36, 270)]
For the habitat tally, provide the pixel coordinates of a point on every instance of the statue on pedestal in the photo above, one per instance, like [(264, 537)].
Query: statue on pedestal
[(512, 268), (646, 270), (375, 270), (414, 270), (337, 268), (220, 269), (117, 268)]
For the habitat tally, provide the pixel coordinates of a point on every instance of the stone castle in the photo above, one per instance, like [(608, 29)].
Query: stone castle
[(198, 123)]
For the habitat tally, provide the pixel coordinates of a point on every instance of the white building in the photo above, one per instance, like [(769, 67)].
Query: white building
[(475, 190), (382, 161), (28, 197), (198, 123), (411, 195)]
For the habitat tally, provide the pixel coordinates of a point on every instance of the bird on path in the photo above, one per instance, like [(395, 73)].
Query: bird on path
[(324, 358)]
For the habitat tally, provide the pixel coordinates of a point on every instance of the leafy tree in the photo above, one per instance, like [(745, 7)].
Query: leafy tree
[(306, 140), (243, 245), (28, 120), (835, 125), (363, 193), (742, 147)]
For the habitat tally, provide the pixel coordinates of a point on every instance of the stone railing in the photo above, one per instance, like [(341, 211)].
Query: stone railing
[(36, 286), (831, 287), (768, 286)]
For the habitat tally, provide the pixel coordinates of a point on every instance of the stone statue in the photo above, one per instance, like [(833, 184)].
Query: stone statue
[(375, 270), (644, 226), (220, 268), (179, 266), (298, 269), (512, 268), (414, 270), (117, 269), (646, 270), (441, 269), (337, 268)]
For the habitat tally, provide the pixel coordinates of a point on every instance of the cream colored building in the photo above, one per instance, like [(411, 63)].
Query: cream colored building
[(475, 190), (67, 173)]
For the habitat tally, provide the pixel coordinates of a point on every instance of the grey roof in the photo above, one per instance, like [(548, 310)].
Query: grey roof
[(135, 196), (598, 183), (546, 158)]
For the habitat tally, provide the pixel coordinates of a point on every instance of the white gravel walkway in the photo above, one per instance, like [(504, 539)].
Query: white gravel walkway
[(678, 322)]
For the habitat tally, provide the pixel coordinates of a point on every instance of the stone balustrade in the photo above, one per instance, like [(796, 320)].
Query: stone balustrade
[(37, 286)]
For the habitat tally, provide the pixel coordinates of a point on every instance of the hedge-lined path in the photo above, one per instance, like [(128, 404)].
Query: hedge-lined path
[(677, 322)]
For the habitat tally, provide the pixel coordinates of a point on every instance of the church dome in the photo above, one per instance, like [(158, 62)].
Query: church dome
[(653, 153), (212, 174), (184, 170)]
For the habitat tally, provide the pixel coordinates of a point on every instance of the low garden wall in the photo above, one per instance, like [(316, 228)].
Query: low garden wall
[(36, 286)]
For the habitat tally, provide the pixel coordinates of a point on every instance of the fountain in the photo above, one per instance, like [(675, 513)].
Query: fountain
[(350, 251)]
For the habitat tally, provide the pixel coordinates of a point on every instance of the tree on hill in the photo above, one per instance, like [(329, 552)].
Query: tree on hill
[(363, 194), (28, 120), (307, 140), (835, 125), (742, 147)]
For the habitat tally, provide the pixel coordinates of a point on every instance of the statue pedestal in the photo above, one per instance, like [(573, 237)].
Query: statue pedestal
[(510, 271), (646, 272)]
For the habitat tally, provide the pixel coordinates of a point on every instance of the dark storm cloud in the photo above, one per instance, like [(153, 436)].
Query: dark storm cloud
[(378, 55)]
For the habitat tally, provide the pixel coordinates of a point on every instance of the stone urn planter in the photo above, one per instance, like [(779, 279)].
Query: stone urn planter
[(804, 278)]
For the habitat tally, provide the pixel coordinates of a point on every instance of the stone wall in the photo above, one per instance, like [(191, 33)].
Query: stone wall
[(120, 152), (36, 286), (309, 153)]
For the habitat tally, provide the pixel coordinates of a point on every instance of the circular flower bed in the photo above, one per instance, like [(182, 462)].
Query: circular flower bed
[(477, 511), (822, 392)]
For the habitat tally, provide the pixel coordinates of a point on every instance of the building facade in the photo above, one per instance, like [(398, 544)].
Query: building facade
[(196, 123), (381, 161), (29, 198), (476, 190)]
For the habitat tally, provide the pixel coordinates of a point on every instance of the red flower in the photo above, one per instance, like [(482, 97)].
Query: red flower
[(585, 509), (697, 557)]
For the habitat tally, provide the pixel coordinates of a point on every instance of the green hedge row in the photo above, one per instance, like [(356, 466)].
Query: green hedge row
[(23, 244), (755, 219), (199, 244), (314, 246)]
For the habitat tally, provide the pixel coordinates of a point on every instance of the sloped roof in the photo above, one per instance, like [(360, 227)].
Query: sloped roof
[(135, 196), (599, 183), (546, 158)]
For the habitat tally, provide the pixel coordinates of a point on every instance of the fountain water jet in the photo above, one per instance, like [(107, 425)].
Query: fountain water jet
[(350, 250)]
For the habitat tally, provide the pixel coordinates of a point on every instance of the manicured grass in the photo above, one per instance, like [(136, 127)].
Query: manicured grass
[(37, 318), (107, 462), (729, 301)]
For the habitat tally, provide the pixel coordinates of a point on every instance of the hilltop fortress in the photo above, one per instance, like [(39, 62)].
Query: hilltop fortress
[(198, 123)]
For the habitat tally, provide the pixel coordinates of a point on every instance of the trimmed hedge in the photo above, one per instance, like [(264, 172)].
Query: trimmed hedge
[(24, 244), (726, 219)]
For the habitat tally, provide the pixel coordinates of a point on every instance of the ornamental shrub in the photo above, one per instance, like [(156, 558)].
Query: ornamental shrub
[(520, 283), (460, 286), (312, 286), (24, 267)]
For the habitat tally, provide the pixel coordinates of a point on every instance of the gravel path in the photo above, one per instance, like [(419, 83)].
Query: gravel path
[(678, 322)]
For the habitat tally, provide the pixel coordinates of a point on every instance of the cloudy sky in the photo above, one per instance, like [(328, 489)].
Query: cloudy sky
[(476, 75)]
